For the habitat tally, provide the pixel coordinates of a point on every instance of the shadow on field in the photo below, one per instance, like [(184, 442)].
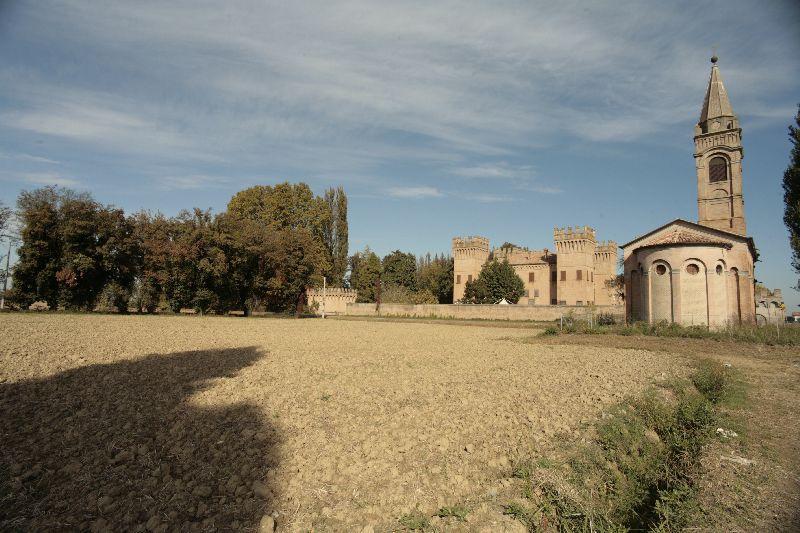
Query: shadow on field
[(116, 447)]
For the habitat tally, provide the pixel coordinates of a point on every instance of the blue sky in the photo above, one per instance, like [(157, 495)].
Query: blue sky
[(439, 118)]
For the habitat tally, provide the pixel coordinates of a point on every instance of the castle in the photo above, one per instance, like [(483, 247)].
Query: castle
[(579, 272)]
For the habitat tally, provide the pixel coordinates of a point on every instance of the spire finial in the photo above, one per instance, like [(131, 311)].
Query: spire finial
[(714, 59)]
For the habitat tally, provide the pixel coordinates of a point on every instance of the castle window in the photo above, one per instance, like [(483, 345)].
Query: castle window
[(692, 269), (469, 278), (661, 270), (579, 302), (717, 169), (553, 302), (563, 275), (719, 270), (579, 275), (530, 276), (592, 274), (458, 279), (535, 293), (554, 276)]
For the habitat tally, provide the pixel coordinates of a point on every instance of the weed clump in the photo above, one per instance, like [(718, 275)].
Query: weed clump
[(455, 511), (415, 521), (549, 331), (641, 470)]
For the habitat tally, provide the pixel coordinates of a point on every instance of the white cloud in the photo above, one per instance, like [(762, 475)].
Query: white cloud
[(190, 182), (496, 171), (29, 158), (347, 88), (414, 192), (50, 178)]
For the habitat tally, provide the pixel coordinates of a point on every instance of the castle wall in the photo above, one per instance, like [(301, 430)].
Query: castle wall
[(540, 313), (333, 300)]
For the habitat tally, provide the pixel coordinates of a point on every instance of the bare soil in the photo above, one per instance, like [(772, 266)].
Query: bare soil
[(139, 423)]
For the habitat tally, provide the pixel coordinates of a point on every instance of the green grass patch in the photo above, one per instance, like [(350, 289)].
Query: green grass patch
[(415, 521), (641, 471), (454, 511), (769, 335)]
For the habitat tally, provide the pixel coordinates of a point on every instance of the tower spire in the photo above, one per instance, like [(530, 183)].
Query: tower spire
[(718, 156), (716, 103)]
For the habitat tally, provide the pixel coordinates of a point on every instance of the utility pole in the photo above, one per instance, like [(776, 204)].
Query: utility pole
[(324, 294)]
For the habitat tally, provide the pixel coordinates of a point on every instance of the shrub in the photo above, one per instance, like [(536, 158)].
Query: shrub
[(549, 331), (113, 298), (717, 382), (39, 306), (606, 319)]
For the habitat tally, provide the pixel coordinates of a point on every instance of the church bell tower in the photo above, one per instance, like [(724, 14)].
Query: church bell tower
[(718, 158)]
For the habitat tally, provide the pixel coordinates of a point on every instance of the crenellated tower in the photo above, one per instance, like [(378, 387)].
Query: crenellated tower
[(718, 157), (605, 270), (469, 255), (575, 252)]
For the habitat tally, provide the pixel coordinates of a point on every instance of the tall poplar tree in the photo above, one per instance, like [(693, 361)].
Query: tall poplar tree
[(791, 194)]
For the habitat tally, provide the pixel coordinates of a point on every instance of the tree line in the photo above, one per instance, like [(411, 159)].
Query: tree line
[(401, 277), (262, 253)]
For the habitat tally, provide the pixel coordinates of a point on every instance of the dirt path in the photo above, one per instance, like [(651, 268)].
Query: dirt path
[(189, 423)]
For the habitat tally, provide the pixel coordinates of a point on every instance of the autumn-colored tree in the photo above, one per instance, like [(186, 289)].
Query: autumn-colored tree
[(39, 255), (73, 249)]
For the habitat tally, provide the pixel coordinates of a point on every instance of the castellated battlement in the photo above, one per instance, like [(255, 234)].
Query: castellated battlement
[(330, 292), (572, 234), (332, 300), (606, 247), (517, 255), (473, 241)]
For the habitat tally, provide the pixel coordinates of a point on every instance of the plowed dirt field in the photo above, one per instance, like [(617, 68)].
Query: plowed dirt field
[(149, 423)]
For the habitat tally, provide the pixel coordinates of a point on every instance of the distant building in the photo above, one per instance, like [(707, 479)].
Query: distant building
[(580, 272), (700, 273), (769, 306)]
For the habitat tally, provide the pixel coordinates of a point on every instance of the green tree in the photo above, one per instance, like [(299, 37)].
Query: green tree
[(496, 281), (282, 206), (335, 234), (400, 269), (791, 194), (39, 255), (436, 275), (365, 271)]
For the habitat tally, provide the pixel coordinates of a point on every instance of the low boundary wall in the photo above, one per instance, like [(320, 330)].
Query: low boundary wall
[(544, 313)]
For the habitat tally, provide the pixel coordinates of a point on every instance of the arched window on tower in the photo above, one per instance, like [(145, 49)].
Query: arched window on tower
[(717, 169)]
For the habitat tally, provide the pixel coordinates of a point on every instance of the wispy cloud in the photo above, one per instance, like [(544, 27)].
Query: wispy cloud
[(50, 178), (191, 182), (28, 158), (414, 192), (495, 171)]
